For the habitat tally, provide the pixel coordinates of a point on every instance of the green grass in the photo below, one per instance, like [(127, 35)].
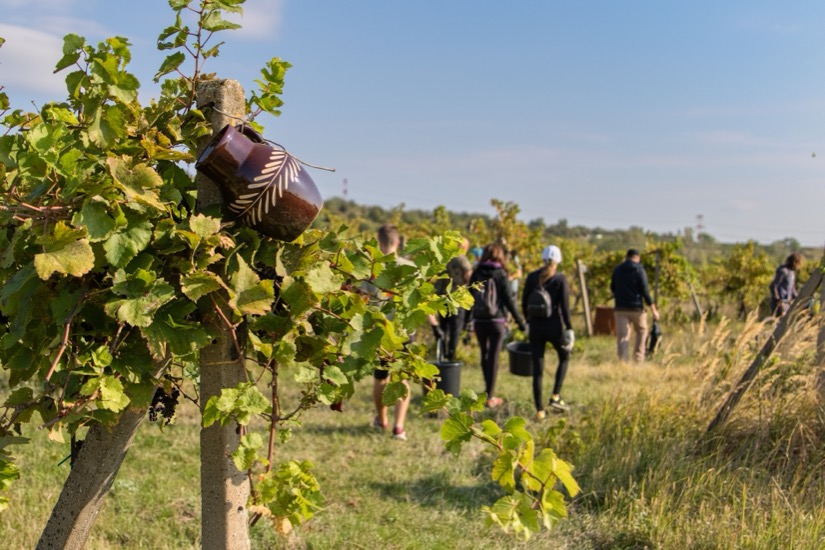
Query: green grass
[(650, 476)]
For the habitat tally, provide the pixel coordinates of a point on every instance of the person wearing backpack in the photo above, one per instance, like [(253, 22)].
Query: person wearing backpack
[(546, 305), (783, 286), (494, 297)]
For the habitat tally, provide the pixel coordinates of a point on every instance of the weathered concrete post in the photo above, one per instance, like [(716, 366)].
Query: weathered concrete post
[(90, 479), (224, 489)]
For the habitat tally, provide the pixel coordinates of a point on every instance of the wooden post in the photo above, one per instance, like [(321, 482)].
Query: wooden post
[(775, 338), (820, 341), (695, 299), (656, 273), (224, 489), (588, 322)]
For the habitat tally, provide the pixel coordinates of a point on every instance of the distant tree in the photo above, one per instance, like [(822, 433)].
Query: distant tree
[(742, 277)]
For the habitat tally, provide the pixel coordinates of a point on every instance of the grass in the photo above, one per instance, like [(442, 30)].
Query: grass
[(651, 477)]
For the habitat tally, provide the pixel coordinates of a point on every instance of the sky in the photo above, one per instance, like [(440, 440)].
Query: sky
[(705, 115)]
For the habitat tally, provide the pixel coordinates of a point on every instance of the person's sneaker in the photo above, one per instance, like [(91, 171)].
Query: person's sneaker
[(377, 425), (399, 434), (558, 404), (540, 415)]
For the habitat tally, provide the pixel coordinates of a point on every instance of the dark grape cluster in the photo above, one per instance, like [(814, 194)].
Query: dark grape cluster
[(164, 404)]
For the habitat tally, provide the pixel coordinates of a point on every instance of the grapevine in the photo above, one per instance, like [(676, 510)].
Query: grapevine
[(98, 221)]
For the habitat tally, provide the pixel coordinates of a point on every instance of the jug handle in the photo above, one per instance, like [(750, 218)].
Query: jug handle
[(249, 132)]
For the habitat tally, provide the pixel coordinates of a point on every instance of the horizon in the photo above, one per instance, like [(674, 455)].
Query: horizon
[(679, 233)]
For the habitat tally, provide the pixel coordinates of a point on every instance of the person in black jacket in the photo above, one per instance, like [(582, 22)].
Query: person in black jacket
[(631, 292), (490, 328), (555, 328)]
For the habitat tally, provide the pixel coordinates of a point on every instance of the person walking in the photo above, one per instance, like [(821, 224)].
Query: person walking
[(783, 286), (389, 242), (631, 292), (493, 300), (548, 320), (459, 269)]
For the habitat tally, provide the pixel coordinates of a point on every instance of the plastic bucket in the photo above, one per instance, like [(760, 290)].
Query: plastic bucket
[(449, 377), (449, 372), (521, 363)]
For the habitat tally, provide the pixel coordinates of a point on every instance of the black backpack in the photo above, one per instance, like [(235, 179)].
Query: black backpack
[(539, 303), (486, 300)]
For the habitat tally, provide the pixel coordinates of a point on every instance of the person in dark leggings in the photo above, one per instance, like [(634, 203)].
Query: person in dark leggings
[(555, 328), (490, 329), (459, 270)]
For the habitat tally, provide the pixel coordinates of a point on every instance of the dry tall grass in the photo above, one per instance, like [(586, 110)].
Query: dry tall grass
[(654, 478)]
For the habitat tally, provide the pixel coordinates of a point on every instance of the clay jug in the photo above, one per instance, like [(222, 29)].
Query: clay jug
[(264, 187)]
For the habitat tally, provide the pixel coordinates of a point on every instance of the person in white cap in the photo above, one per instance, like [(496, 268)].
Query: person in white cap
[(546, 305)]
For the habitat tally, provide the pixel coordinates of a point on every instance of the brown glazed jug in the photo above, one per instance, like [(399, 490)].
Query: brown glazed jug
[(264, 187)]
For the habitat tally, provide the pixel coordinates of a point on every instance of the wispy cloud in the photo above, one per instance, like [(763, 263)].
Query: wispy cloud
[(53, 17), (27, 60), (261, 19)]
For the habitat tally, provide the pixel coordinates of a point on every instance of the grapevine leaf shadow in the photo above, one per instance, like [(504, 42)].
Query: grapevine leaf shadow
[(436, 491)]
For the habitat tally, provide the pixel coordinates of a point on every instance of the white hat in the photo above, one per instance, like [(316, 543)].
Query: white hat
[(551, 253)]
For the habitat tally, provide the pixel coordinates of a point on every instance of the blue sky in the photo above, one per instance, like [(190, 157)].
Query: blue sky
[(603, 113)]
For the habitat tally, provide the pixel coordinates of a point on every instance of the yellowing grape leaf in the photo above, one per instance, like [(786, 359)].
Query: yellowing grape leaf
[(66, 251)]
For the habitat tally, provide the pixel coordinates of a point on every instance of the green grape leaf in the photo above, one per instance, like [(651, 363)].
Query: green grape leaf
[(144, 296), (504, 470), (169, 329), (139, 183), (322, 280), (435, 400), (72, 45), (490, 428), (297, 295), (457, 430), (111, 396), (554, 507), (336, 376), (393, 392), (95, 217), (8, 473), (246, 455), (367, 345), (284, 352), (241, 403), (124, 245), (214, 22), (249, 294), (547, 464), (516, 426), (19, 397), (200, 283), (204, 226), (66, 251)]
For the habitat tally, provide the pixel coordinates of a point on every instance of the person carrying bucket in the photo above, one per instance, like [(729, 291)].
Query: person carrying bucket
[(546, 305), (493, 300)]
